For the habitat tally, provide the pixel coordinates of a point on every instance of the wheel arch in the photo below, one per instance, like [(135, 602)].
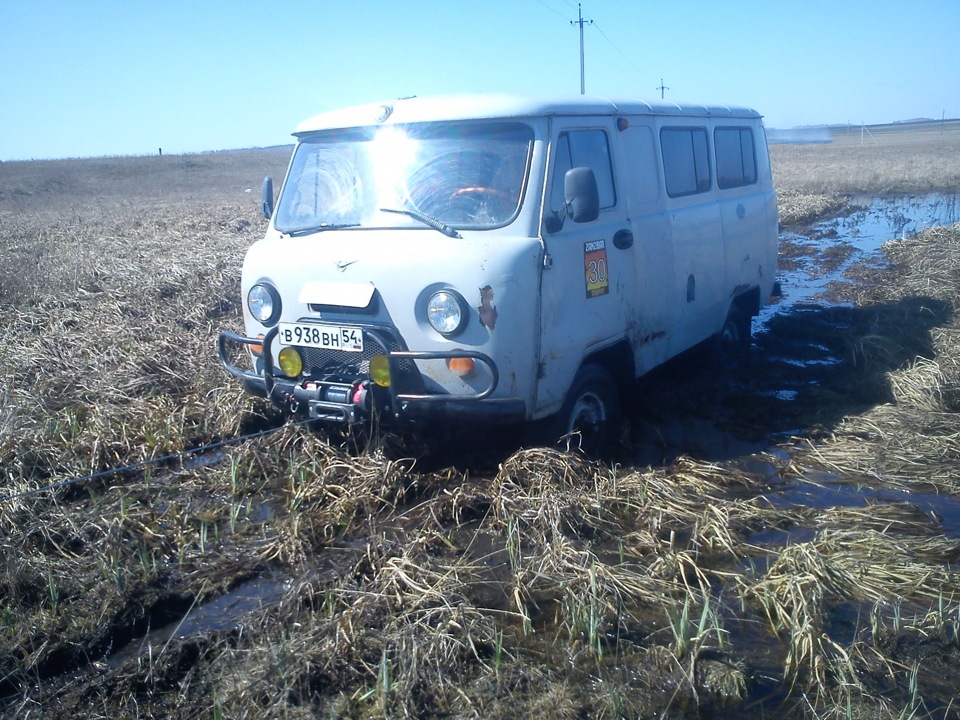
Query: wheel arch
[(616, 359), (747, 302)]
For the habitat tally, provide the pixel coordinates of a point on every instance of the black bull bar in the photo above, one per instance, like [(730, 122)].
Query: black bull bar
[(479, 406)]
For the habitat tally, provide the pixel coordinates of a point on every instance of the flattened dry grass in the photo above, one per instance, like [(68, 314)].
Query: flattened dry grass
[(114, 328), (913, 439), (797, 206), (868, 566), (554, 587), (433, 618)]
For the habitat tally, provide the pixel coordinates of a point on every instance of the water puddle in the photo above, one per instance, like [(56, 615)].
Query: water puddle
[(820, 255), (230, 611), (941, 512), (880, 219), (812, 259), (206, 459), (226, 612)]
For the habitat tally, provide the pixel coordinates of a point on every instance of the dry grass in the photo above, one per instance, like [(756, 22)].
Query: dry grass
[(890, 161), (116, 297), (814, 181), (552, 587), (796, 206)]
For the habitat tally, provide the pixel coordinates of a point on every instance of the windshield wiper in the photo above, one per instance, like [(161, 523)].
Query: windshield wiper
[(319, 228), (426, 220)]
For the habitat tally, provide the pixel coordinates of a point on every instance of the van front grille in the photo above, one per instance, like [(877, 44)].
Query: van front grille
[(318, 362)]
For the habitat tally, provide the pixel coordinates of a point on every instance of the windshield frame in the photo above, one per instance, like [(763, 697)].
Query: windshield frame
[(468, 174)]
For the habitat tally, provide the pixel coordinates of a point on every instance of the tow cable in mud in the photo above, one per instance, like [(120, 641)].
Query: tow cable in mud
[(152, 461)]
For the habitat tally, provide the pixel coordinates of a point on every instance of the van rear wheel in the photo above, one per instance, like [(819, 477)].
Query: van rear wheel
[(733, 340), (590, 415)]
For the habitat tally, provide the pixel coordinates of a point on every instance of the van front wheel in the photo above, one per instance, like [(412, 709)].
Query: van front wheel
[(591, 413)]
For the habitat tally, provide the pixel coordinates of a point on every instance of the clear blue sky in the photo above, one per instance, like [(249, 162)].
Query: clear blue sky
[(85, 78)]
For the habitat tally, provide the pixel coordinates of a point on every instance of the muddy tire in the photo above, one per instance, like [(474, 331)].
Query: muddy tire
[(590, 417), (732, 343)]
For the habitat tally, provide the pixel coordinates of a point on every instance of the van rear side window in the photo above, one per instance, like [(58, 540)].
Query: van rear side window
[(736, 158), (686, 160)]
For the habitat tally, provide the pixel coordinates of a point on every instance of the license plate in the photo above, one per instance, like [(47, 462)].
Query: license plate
[(327, 337)]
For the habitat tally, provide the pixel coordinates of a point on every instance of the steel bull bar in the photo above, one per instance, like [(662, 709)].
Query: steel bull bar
[(338, 401)]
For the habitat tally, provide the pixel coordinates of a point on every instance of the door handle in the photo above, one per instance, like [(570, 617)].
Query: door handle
[(623, 239)]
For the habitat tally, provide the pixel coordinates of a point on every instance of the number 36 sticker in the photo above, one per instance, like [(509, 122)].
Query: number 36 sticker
[(595, 268)]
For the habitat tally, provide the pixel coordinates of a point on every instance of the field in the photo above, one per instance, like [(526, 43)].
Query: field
[(881, 160), (776, 541)]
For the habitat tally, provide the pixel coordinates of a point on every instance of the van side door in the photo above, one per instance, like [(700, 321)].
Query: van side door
[(743, 207), (699, 271), (588, 266), (654, 287)]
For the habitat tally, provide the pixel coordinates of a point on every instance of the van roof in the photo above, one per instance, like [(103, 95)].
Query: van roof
[(463, 107)]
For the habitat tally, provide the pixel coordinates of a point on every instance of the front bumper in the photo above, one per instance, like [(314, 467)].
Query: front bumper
[(351, 398)]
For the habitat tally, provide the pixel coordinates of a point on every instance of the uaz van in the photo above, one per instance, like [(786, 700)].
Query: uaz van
[(468, 260)]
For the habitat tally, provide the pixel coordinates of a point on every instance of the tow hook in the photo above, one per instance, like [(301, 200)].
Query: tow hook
[(304, 394)]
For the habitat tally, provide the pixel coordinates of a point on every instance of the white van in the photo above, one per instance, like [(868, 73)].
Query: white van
[(494, 259)]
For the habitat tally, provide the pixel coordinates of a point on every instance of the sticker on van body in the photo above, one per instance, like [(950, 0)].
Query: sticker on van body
[(595, 268)]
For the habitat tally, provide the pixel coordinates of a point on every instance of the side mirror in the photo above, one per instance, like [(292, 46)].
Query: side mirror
[(266, 197), (581, 194)]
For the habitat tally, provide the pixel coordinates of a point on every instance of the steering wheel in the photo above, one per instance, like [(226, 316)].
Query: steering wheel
[(481, 192), (480, 199)]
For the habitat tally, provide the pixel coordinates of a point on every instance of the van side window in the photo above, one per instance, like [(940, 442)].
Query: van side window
[(640, 156), (686, 160), (583, 148), (736, 159)]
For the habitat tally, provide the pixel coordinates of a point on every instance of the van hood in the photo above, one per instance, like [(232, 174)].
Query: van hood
[(341, 267)]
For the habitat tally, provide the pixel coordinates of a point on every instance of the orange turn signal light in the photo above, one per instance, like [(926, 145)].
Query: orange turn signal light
[(257, 348), (461, 366)]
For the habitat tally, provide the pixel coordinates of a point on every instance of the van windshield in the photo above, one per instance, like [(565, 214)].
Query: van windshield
[(465, 175)]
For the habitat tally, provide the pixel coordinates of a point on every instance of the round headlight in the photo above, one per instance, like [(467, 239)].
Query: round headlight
[(263, 302), (445, 312)]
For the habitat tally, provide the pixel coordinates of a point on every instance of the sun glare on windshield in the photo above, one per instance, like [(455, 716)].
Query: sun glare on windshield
[(392, 153), (462, 175)]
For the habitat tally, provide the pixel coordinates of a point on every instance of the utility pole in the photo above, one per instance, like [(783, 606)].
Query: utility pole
[(661, 88), (580, 21)]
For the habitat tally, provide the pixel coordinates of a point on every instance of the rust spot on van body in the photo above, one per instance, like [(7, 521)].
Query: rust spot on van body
[(487, 310)]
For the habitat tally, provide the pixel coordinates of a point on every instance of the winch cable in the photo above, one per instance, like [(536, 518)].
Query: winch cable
[(151, 461)]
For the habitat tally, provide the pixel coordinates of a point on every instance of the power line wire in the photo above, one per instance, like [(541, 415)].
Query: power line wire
[(555, 12), (619, 51)]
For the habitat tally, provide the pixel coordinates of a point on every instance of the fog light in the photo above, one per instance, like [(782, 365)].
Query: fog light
[(380, 370), (290, 363), (461, 366)]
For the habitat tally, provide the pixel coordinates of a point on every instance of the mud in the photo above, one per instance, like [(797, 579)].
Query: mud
[(801, 379), (795, 382), (225, 612)]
